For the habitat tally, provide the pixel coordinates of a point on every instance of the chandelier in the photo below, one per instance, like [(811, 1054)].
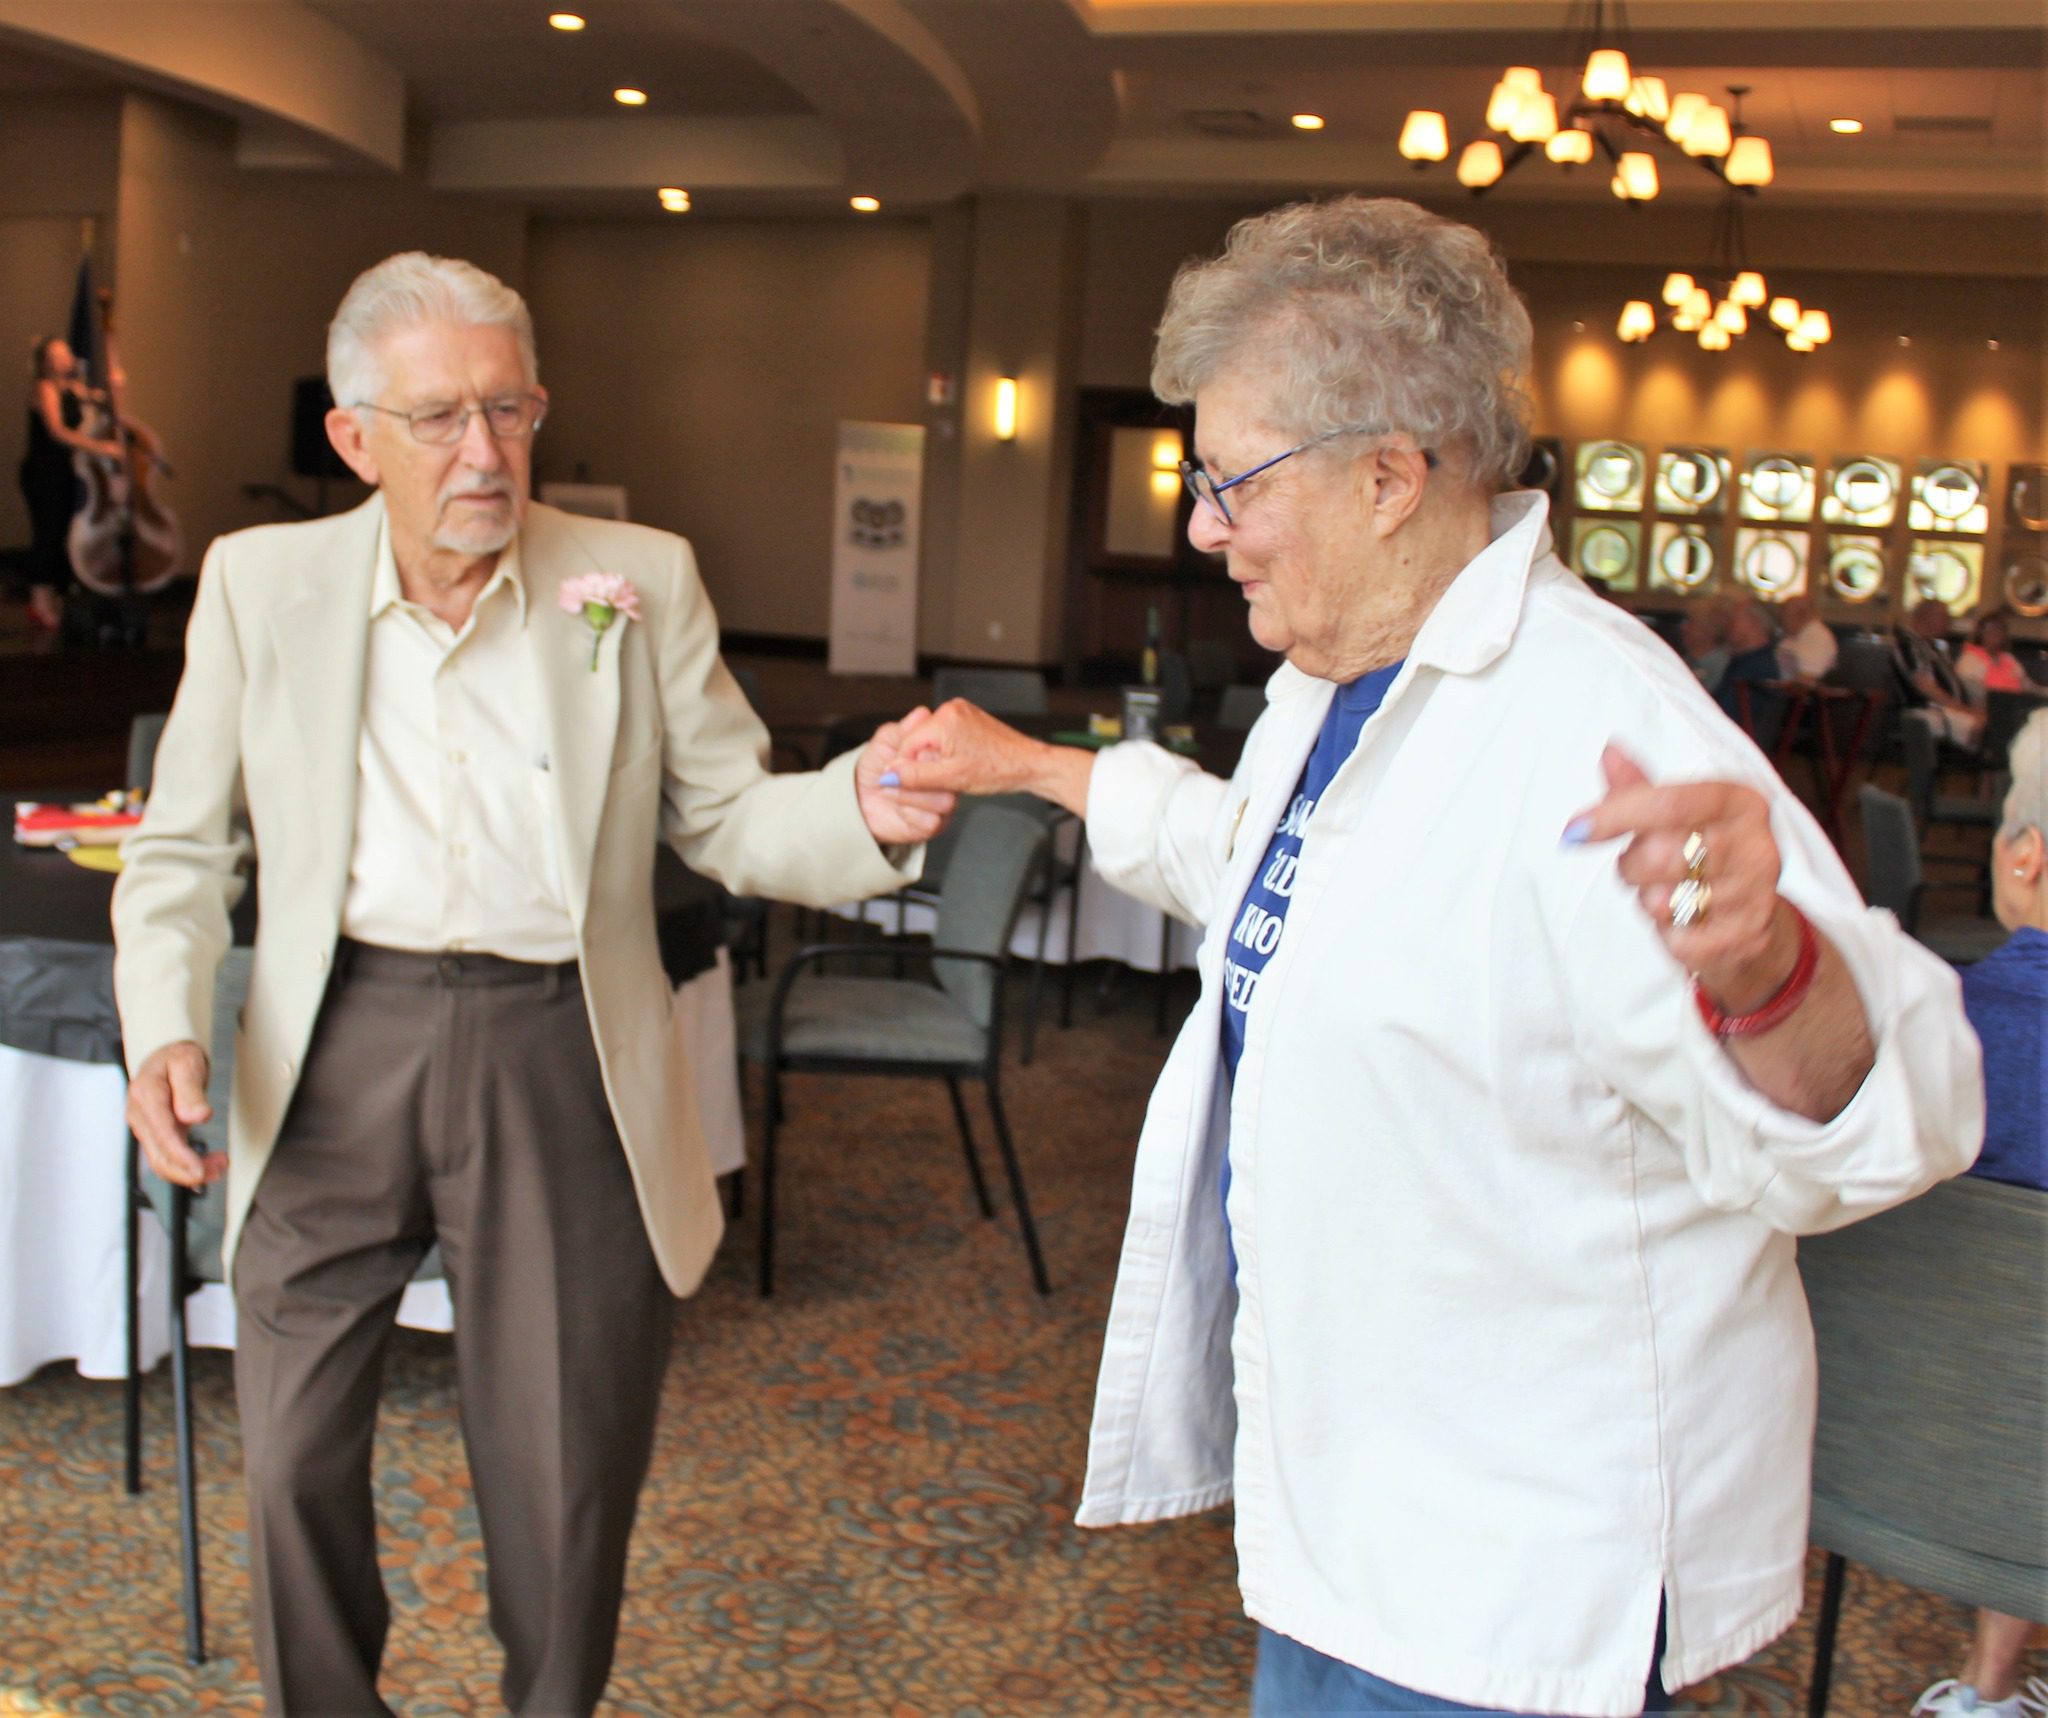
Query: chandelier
[(1616, 111), (1714, 302)]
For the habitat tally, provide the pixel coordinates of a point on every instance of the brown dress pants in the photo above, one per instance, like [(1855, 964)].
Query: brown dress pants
[(454, 1098)]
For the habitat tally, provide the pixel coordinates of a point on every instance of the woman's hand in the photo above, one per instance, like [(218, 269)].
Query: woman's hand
[(961, 748), (896, 816)]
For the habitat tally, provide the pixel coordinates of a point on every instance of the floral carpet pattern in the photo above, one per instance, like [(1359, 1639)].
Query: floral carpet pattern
[(863, 1490)]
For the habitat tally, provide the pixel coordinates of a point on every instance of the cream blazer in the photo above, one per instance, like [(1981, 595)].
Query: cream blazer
[(258, 761)]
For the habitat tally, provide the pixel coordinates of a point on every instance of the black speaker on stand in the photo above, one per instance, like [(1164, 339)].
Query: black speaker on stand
[(313, 454)]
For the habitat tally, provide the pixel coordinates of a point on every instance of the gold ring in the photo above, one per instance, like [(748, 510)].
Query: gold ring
[(1694, 853), (1690, 903)]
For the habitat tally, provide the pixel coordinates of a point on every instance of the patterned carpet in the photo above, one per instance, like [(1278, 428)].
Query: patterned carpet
[(863, 1490)]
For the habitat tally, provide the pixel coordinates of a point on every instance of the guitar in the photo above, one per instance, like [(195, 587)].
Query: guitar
[(124, 540)]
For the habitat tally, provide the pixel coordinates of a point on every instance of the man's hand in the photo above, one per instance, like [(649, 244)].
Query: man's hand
[(897, 816), (165, 1099), (961, 748)]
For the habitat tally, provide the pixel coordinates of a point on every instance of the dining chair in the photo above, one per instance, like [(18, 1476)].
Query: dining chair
[(193, 1224), (999, 691), (1891, 851), (944, 1023), (1930, 1458)]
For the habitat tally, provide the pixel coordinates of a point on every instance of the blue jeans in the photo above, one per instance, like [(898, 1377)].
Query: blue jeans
[(1293, 1679)]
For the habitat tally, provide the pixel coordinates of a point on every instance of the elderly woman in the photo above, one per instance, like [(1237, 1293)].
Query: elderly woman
[(1536, 1020)]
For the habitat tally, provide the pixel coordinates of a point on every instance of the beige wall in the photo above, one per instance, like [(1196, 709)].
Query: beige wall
[(707, 366), (226, 280)]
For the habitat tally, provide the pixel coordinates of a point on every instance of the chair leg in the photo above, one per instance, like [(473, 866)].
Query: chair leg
[(967, 1146), (1824, 1636), (1016, 1178), (771, 1117), (1073, 939), (131, 1385), (1037, 995), (181, 1391)]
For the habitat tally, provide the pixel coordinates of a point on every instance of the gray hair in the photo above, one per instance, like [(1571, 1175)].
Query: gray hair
[(1364, 311), (403, 291), (2026, 801)]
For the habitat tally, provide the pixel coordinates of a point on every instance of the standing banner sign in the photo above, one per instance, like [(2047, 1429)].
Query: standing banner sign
[(874, 548)]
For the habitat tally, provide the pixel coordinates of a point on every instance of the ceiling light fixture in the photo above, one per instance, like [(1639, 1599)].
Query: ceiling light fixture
[(1716, 301), (674, 199), (1424, 137), (1847, 127), (1610, 107), (865, 205), (630, 97), (565, 21), (1312, 122)]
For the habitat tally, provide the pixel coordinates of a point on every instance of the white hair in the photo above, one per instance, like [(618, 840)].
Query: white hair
[(403, 291), (2026, 801), (1361, 312)]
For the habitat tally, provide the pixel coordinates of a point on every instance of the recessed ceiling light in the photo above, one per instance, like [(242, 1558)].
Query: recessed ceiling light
[(566, 20), (630, 97), (1847, 127), (1306, 121), (674, 199), (1905, 339), (1991, 345), (866, 205)]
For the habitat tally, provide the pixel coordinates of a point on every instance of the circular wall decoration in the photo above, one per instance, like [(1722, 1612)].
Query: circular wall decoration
[(1950, 491), (1606, 553), (1777, 482), (1772, 564), (1613, 470), (1942, 574), (1686, 560), (1693, 476), (1856, 571), (2027, 500), (2026, 586), (1863, 487)]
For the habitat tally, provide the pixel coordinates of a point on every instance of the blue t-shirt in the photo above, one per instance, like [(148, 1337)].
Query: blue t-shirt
[(2006, 997), (1256, 932)]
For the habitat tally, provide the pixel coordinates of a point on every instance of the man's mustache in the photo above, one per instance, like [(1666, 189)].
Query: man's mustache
[(500, 486)]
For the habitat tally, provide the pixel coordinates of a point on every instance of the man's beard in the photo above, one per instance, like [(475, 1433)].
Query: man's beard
[(478, 536)]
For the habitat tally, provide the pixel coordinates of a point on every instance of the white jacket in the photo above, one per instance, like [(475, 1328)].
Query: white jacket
[(1518, 1342)]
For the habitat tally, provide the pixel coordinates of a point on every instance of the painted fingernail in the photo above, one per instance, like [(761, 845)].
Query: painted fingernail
[(891, 779), (1577, 832)]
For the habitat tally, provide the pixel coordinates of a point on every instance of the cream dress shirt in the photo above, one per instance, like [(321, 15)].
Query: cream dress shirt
[(455, 847)]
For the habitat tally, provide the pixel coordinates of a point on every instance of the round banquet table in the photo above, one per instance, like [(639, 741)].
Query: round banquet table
[(63, 1133)]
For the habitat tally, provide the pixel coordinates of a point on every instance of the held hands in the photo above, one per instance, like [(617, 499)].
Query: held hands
[(961, 748), (165, 1099), (1742, 940), (897, 816)]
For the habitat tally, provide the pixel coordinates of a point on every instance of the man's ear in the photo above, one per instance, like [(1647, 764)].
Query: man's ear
[(345, 435)]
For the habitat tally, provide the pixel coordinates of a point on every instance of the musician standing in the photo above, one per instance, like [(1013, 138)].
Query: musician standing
[(58, 402)]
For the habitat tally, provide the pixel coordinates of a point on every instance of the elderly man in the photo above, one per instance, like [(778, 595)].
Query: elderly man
[(1807, 649), (459, 723)]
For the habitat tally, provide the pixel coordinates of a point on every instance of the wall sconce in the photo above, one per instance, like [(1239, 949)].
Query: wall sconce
[(1006, 408)]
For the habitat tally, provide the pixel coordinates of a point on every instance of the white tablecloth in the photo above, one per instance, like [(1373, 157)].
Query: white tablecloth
[(62, 1146)]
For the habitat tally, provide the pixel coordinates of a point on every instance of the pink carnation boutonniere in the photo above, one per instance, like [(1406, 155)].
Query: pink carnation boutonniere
[(601, 599)]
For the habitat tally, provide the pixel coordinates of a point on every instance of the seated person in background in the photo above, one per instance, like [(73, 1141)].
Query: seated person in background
[(1703, 640), (1807, 647), (1927, 679), (1987, 663), (1752, 661), (2006, 998)]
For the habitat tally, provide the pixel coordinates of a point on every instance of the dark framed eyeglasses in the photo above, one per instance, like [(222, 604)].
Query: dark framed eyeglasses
[(1203, 487), (443, 424)]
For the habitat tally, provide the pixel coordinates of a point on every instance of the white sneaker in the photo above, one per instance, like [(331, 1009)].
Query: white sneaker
[(1950, 1697)]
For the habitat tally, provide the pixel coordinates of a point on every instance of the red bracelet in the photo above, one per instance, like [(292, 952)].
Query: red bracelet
[(1772, 1013)]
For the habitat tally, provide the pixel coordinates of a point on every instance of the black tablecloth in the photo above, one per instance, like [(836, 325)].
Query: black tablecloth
[(57, 954)]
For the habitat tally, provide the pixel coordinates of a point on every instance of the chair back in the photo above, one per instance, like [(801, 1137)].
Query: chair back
[(997, 855), (999, 691), (1916, 733), (1865, 665), (2005, 713), (143, 734), (1930, 1459), (1891, 853), (1241, 707)]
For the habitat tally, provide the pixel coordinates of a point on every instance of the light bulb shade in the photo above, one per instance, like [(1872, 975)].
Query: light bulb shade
[(1648, 98), (1522, 78), (1709, 134), (1715, 338), (1732, 316), (1638, 172), (1502, 105), (1479, 164), (1749, 290), (1686, 108), (1798, 342), (1815, 326), (1749, 162), (1677, 288), (1619, 187), (1785, 313), (1571, 146), (1424, 136), (1638, 321), (1686, 320), (1607, 75), (1005, 416), (1535, 119)]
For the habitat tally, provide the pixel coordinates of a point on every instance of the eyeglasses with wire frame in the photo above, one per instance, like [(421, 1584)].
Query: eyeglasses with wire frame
[(1204, 487), (443, 423)]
